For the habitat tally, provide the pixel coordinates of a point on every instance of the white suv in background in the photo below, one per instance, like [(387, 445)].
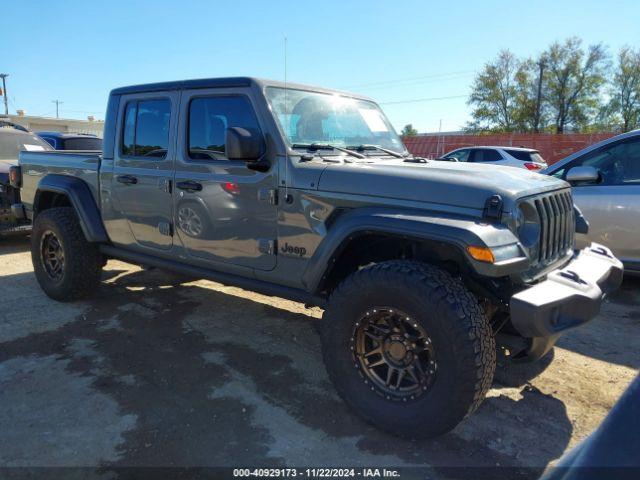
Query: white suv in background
[(508, 156)]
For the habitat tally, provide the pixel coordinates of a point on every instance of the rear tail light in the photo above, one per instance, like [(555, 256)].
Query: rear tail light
[(532, 166), (15, 176), (231, 188)]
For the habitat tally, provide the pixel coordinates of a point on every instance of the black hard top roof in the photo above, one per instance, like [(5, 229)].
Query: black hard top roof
[(220, 83)]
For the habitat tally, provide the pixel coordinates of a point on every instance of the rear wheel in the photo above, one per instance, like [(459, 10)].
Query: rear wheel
[(408, 348), (67, 267)]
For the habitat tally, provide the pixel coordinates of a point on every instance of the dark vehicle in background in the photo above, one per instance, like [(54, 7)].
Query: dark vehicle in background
[(12, 141), (606, 187), (72, 141)]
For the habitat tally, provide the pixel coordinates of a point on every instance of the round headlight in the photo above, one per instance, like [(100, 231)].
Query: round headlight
[(519, 218), (528, 225)]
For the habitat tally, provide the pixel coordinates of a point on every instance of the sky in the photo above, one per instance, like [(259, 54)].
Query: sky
[(417, 58)]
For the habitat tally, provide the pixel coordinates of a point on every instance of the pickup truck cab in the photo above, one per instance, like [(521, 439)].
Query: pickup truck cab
[(308, 194)]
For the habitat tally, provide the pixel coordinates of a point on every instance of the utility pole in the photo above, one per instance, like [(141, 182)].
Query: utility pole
[(57, 102), (4, 92), (536, 120)]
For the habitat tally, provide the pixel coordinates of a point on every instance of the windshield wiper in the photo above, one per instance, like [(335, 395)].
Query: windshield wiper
[(327, 146), (361, 148)]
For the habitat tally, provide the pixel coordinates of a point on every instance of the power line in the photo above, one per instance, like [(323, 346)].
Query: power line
[(83, 111), (410, 79), (415, 83), (429, 99), (13, 103)]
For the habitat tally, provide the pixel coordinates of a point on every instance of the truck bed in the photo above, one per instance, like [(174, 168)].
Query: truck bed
[(84, 165)]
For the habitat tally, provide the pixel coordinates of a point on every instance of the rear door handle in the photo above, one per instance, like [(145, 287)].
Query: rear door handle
[(189, 186), (127, 179)]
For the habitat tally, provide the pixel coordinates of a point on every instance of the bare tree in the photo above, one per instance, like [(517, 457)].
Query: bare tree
[(574, 80), (625, 89)]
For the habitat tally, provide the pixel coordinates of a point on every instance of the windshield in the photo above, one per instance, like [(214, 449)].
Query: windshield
[(12, 142), (311, 117)]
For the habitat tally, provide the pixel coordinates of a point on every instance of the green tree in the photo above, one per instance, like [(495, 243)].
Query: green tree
[(573, 82), (493, 95), (409, 131), (624, 105)]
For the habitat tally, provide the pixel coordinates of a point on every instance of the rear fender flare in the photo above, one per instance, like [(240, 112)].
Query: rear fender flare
[(81, 199)]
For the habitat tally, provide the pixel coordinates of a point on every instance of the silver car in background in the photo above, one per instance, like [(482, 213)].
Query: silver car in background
[(606, 187)]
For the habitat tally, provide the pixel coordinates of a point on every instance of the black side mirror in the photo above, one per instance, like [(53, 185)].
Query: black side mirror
[(244, 144)]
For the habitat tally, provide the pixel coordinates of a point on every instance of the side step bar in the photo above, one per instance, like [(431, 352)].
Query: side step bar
[(252, 284)]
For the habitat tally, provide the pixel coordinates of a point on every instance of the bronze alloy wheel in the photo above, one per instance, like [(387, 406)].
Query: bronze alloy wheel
[(394, 354), (52, 255)]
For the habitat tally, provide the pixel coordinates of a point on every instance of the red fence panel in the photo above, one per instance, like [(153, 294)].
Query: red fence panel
[(552, 147)]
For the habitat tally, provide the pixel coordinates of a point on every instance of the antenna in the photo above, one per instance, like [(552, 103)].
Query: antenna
[(286, 115)]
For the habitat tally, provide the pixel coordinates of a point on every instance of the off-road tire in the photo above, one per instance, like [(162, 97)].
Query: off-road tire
[(459, 331), (82, 260)]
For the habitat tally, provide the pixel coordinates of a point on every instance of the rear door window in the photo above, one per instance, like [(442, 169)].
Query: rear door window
[(209, 118), (484, 155), (146, 128)]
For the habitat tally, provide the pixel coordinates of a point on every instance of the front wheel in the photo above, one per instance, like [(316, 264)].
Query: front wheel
[(408, 348), (67, 267)]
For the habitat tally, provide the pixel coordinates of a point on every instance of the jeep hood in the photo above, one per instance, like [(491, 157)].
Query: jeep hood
[(457, 184)]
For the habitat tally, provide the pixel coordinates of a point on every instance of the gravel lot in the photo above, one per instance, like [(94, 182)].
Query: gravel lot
[(158, 370)]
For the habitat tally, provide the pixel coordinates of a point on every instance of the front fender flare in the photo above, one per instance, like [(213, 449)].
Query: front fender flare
[(459, 232), (81, 199)]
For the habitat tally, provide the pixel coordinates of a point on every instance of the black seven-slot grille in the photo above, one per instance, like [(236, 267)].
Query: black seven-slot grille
[(557, 225)]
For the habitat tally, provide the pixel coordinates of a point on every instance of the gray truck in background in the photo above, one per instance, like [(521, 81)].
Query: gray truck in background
[(424, 268)]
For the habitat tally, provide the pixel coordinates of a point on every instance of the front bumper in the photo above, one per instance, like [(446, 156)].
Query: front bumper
[(569, 296)]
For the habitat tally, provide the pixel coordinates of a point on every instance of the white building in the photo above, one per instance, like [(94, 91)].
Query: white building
[(48, 124)]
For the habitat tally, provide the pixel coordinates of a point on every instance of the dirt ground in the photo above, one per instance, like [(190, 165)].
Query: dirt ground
[(161, 371)]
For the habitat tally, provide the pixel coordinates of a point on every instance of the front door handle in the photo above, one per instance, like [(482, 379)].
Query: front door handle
[(189, 186), (127, 179)]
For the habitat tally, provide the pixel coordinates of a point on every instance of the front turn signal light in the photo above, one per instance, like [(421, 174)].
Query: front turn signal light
[(482, 254)]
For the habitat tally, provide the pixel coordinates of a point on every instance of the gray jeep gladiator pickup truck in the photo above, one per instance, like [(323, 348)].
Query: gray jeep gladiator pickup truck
[(422, 267)]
